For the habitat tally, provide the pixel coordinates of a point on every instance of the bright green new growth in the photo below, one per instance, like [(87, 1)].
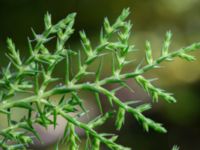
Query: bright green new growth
[(35, 75), (175, 147)]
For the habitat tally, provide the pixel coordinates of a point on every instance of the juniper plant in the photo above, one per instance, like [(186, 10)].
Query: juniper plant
[(35, 75)]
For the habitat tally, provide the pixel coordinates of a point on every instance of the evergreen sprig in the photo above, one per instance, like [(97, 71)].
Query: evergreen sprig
[(35, 75)]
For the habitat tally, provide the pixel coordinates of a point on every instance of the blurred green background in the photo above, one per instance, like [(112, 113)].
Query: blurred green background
[(151, 19)]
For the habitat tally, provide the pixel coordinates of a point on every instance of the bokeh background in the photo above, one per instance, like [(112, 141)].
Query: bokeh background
[(151, 19)]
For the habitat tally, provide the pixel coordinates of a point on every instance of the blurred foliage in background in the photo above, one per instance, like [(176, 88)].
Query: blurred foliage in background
[(151, 19)]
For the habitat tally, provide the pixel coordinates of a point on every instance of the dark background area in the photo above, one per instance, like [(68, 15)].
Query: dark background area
[(151, 19)]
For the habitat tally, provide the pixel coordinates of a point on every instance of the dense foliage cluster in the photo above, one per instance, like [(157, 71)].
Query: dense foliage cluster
[(35, 75)]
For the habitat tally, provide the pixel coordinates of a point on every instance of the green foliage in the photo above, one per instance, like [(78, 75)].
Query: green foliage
[(36, 74), (175, 147)]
